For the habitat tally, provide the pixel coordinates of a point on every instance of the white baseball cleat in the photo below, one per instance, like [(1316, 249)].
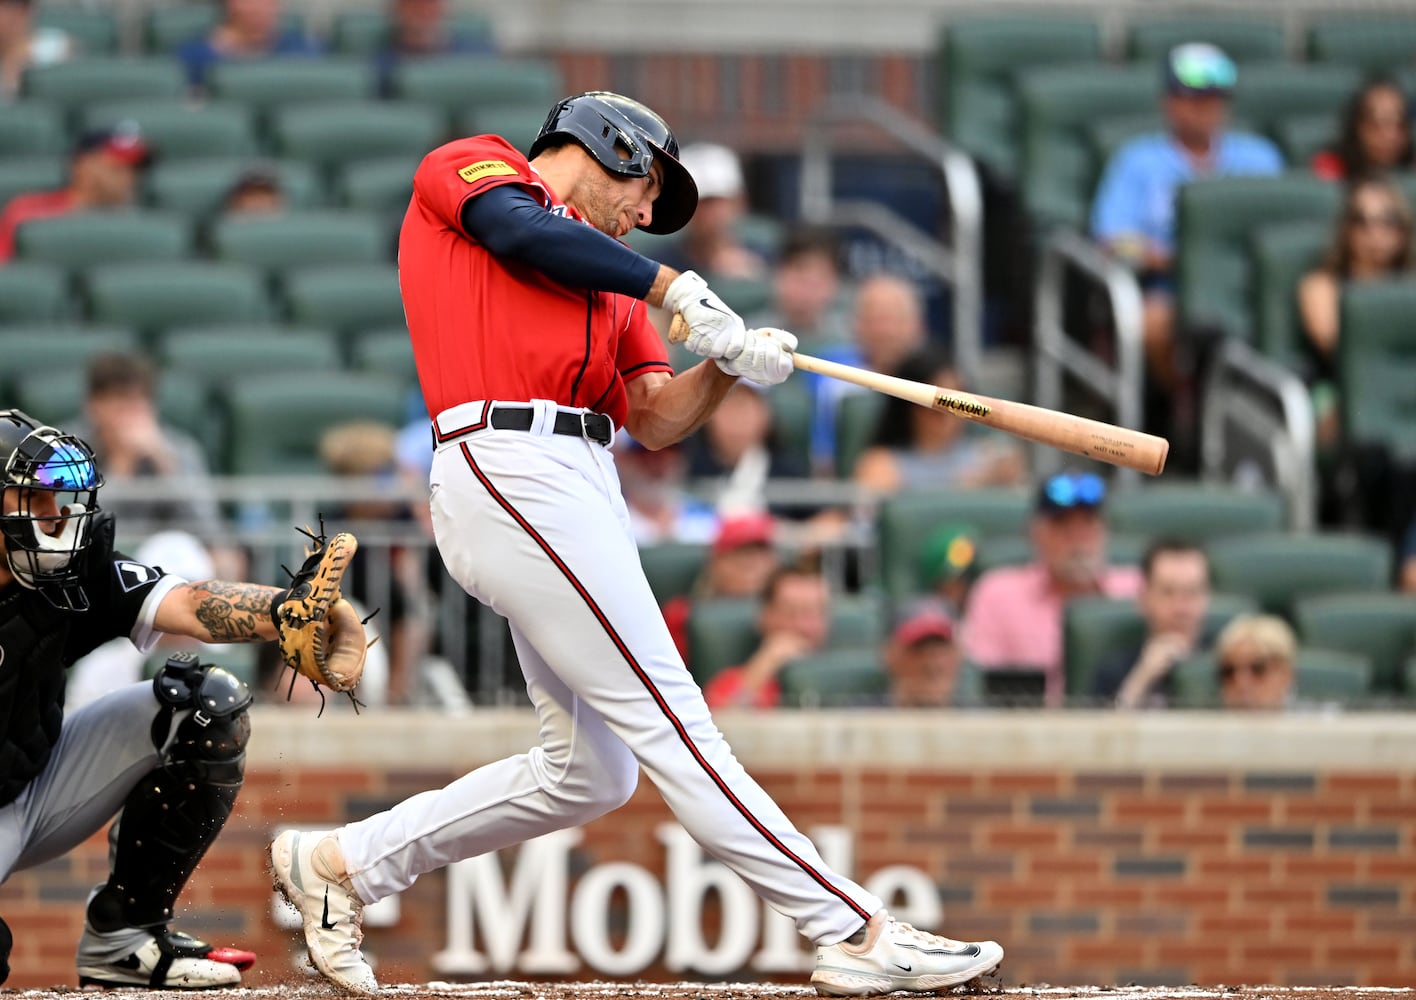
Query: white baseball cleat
[(310, 873), (156, 958), (895, 956)]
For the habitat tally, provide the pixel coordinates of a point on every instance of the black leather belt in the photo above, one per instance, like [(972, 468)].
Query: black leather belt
[(591, 426)]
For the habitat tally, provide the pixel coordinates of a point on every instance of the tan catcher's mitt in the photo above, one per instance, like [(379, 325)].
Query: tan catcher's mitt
[(321, 635)]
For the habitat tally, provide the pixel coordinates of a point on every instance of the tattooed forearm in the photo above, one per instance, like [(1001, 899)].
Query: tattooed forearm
[(234, 612)]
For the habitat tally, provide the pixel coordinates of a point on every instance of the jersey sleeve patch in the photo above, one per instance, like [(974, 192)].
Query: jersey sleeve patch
[(474, 172)]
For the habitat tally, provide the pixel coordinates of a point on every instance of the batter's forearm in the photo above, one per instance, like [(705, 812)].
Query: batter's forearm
[(678, 407), (218, 611), (661, 284)]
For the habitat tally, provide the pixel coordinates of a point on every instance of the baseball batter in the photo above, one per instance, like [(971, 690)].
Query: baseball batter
[(528, 324)]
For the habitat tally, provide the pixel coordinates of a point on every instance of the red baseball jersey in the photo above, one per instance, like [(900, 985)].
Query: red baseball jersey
[(489, 328)]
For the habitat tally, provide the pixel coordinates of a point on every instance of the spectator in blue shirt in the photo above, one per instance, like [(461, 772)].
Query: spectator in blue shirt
[(247, 29), (420, 28), (1134, 212)]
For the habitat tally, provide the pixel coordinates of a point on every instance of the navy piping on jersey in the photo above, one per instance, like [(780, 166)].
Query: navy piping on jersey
[(654, 693), (585, 358)]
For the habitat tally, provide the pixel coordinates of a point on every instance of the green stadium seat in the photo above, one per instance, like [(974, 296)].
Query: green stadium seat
[(387, 351), (1376, 363), (1215, 219), (279, 241), (456, 83), (857, 418), (1277, 570), (743, 295), (1059, 169), (274, 421), (1319, 675), (1002, 550), (31, 128), (1381, 627), (31, 292), (1244, 39), (518, 124), (1269, 94), (1282, 253), (722, 632), (166, 27), (792, 408), (266, 85), (907, 518), (79, 83), (33, 348), (978, 59), (348, 298), (382, 185), (1301, 137), (93, 29), (1363, 40), (1194, 513), (835, 678), (334, 134), (23, 174), (198, 187), (215, 352), (152, 297), (178, 129), (364, 32), (672, 567), (81, 240)]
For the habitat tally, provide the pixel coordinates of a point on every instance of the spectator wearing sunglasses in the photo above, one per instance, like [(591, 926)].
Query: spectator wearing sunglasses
[(1255, 656), (1134, 212), (1014, 615)]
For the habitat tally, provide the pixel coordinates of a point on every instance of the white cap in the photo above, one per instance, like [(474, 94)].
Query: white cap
[(715, 169)]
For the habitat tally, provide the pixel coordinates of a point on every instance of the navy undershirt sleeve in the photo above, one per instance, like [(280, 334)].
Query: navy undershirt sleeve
[(509, 222)]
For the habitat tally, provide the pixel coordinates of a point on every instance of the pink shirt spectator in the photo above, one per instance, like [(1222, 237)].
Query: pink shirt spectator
[(1014, 619)]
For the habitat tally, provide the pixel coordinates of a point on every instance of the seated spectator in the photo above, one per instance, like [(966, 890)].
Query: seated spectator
[(710, 243), (1372, 242), (655, 489), (248, 29), (1134, 211), (1174, 601), (736, 448), (22, 45), (256, 192), (794, 621), (418, 28), (947, 562), (103, 173), (1255, 656), (915, 446), (1014, 615), (1407, 581), (739, 564), (922, 661), (806, 289), (1375, 137)]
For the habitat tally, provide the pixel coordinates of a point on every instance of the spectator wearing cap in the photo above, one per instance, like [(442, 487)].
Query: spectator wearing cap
[(741, 560), (1014, 615), (710, 243), (256, 191), (103, 173), (1174, 601), (1134, 211), (947, 560), (22, 45), (248, 29), (922, 660)]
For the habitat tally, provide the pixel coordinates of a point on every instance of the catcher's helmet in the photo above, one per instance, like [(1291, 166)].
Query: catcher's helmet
[(605, 123), (35, 461)]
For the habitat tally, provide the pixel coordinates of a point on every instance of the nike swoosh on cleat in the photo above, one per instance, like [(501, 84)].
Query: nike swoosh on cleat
[(904, 968), (325, 925)]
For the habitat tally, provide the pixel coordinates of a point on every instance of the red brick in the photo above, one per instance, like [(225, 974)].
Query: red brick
[(1036, 895), (1055, 865), (1287, 954), (1244, 810), (1144, 809), (1110, 894), (1379, 866), (1006, 838), (1319, 922), (1366, 952), (1245, 924), (1187, 952), (1184, 894), (1109, 953), (1279, 895), (1184, 839), (1300, 811), (1383, 784), (1257, 866), (1385, 809), (1023, 781), (1319, 866)]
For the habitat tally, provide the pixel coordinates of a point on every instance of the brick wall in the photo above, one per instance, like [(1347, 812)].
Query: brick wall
[(1165, 873)]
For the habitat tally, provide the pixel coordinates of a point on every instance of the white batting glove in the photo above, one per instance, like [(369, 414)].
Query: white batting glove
[(714, 330), (766, 359)]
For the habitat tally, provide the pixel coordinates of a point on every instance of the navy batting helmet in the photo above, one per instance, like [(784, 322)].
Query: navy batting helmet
[(606, 124)]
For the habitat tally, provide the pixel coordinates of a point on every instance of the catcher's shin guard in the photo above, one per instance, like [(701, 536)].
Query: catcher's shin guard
[(174, 812)]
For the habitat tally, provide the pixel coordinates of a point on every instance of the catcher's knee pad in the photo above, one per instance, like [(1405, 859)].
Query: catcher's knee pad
[(211, 739)]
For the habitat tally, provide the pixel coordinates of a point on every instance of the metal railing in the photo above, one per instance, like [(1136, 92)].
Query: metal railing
[(1119, 385), (958, 264), (1258, 417)]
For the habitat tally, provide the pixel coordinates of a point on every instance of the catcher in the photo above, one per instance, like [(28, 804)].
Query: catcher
[(167, 757)]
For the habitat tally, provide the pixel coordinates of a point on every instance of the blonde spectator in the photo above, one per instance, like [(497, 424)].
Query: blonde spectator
[(1255, 656)]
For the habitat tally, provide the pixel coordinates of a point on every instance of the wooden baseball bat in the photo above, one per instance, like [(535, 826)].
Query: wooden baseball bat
[(1095, 439)]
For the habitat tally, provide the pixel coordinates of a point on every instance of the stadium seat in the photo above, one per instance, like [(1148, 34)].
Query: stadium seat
[(1002, 550), (1269, 94), (1095, 629), (383, 185), (744, 296), (1377, 365), (35, 348), (199, 187), (79, 83), (335, 134), (978, 58), (1194, 513), (722, 632), (1301, 137), (1319, 675), (387, 351), (31, 292), (792, 408), (857, 418), (31, 128), (1381, 627), (167, 26), (1277, 570), (834, 678), (1282, 253), (23, 174), (456, 83), (1244, 39), (153, 297), (269, 84), (275, 420), (1215, 219), (220, 350), (1108, 133), (907, 518), (81, 240), (180, 129), (1059, 170), (93, 28), (1362, 40), (518, 124), (276, 242), (672, 567), (347, 298), (364, 32)]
